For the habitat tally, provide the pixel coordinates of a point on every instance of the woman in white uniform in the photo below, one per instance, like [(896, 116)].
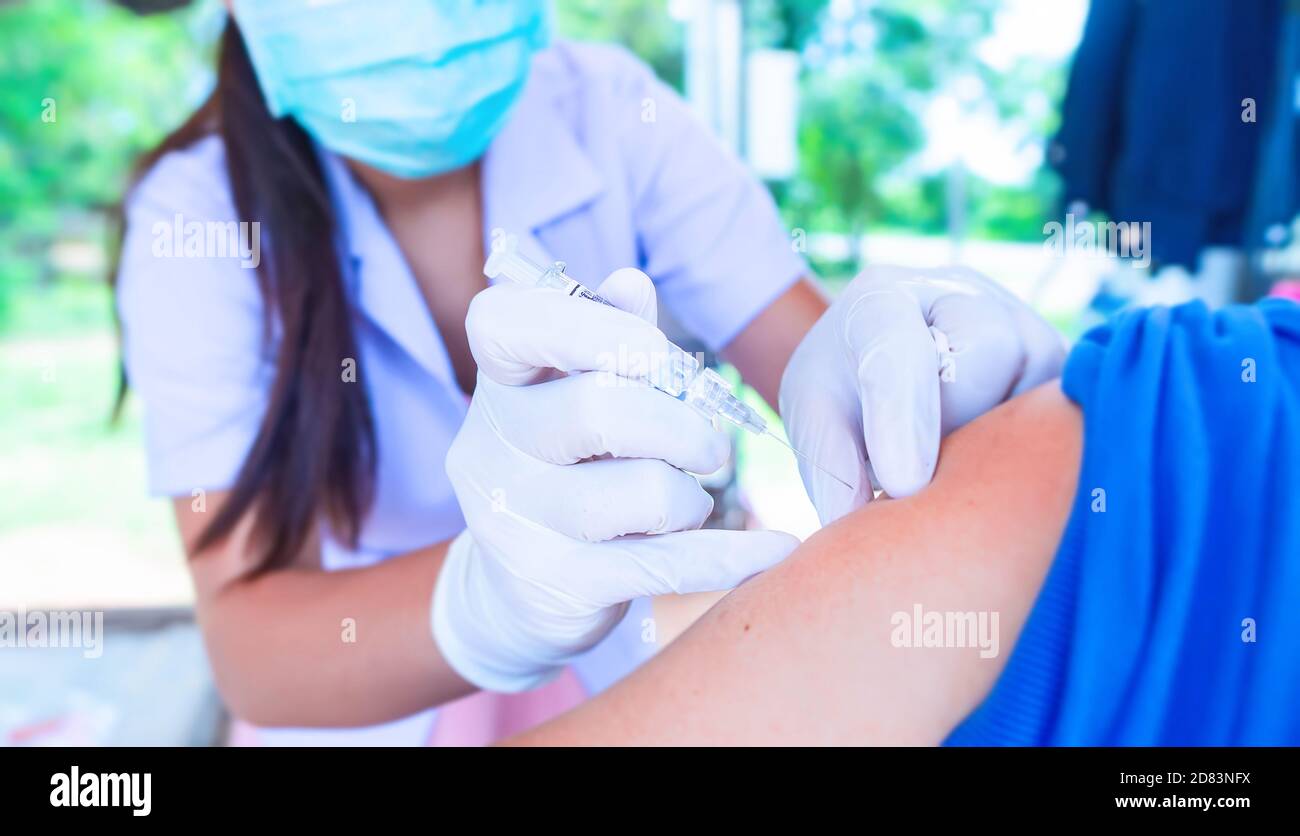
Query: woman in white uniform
[(307, 395)]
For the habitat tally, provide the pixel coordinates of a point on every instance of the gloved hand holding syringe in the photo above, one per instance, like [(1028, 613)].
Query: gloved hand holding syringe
[(680, 375), (578, 493)]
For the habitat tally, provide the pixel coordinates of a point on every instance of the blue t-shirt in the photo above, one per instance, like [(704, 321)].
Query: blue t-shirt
[(1171, 614)]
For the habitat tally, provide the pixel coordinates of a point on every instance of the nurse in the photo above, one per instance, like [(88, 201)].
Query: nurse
[(391, 497)]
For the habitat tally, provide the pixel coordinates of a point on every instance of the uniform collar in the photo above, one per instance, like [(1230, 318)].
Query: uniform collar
[(379, 281), (534, 173)]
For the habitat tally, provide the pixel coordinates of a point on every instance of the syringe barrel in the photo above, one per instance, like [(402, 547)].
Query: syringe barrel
[(679, 375), (507, 262), (712, 395)]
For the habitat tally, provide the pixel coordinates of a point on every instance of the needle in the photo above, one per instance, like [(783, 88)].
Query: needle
[(787, 446)]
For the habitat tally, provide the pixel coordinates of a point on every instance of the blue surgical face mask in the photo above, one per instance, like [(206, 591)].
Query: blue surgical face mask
[(411, 87)]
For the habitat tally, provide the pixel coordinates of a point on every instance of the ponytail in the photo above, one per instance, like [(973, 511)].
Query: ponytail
[(314, 455)]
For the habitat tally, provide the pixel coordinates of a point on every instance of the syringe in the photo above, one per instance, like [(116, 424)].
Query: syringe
[(680, 376)]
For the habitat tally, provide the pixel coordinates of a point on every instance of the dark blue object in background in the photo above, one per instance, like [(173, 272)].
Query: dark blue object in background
[(1152, 125)]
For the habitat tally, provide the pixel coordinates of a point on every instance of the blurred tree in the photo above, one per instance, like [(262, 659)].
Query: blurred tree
[(871, 68), (87, 87), (871, 64), (854, 129), (782, 24), (644, 27)]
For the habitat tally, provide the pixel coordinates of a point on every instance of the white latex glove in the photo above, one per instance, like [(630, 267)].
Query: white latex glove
[(574, 487), (901, 358)]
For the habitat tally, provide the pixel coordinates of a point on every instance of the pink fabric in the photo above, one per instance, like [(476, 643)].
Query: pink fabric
[(242, 734), (477, 720), (484, 718), (1287, 290)]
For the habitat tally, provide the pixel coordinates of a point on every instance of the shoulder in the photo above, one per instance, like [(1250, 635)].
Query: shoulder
[(600, 90), (181, 270), (620, 112), (1143, 351), (192, 178), (569, 69)]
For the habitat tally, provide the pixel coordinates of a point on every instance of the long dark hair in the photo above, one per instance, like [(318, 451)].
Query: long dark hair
[(314, 455)]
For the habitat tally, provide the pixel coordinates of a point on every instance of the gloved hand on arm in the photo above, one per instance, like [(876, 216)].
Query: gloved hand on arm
[(901, 358), (575, 487)]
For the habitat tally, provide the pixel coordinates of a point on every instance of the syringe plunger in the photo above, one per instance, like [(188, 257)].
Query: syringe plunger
[(506, 261)]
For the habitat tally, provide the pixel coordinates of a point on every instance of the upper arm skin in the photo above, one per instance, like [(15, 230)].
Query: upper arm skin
[(803, 655)]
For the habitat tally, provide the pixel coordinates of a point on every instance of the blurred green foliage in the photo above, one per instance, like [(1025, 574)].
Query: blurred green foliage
[(87, 87), (876, 63), (643, 27), (870, 65), (74, 484)]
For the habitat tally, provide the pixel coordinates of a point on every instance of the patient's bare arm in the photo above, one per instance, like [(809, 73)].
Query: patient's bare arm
[(805, 653)]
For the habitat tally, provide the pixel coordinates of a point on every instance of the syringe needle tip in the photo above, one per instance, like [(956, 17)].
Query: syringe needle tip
[(832, 475), (846, 485), (791, 448)]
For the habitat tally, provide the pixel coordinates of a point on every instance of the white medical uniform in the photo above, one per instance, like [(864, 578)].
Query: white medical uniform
[(600, 165)]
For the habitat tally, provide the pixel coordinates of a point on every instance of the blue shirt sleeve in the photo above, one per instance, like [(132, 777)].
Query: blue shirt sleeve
[(1168, 616)]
